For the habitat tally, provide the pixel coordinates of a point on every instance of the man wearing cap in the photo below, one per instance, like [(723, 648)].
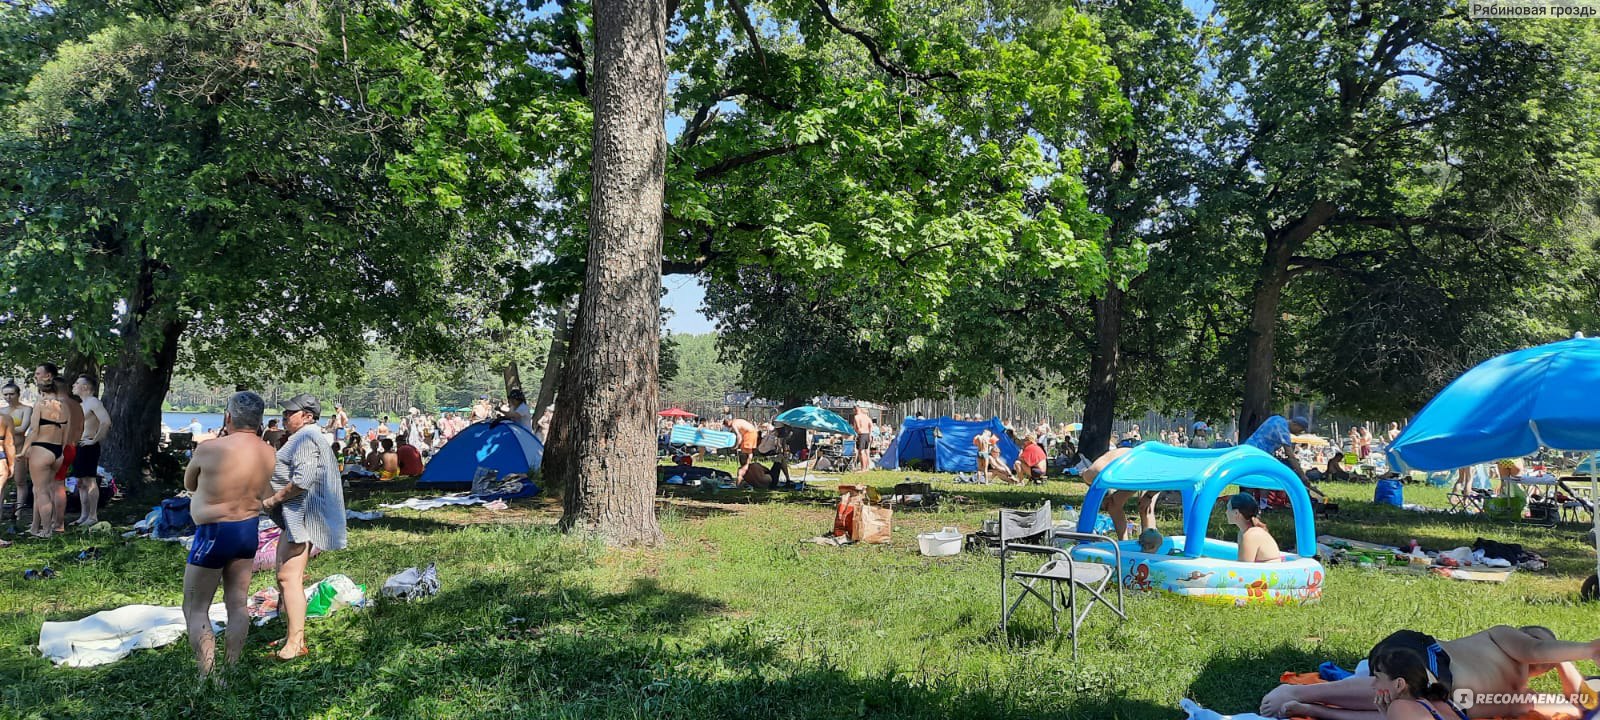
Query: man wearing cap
[(308, 506), (1197, 435)]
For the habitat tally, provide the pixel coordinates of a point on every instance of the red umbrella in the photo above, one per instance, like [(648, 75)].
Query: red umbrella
[(676, 413)]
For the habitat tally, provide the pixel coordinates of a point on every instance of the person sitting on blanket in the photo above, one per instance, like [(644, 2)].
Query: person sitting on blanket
[(1255, 542), (988, 445), (762, 478), (1497, 661)]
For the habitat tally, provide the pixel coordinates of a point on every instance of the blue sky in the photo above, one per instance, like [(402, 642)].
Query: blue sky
[(684, 295)]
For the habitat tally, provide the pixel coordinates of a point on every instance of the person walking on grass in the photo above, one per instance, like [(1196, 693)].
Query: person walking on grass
[(229, 477), (307, 504), (86, 464)]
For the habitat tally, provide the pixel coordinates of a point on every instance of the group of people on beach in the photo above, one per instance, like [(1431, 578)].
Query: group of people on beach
[(43, 445)]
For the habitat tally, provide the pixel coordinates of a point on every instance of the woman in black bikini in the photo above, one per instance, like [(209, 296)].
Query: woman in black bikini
[(47, 431)]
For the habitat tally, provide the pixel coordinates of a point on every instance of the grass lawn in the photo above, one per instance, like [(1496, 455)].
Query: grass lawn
[(735, 617)]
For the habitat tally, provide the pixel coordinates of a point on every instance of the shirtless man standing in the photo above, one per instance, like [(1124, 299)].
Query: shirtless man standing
[(862, 423), (745, 449), (15, 415), (86, 464), (1497, 661), (229, 477)]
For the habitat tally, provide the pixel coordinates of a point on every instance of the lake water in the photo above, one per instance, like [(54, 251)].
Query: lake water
[(213, 421)]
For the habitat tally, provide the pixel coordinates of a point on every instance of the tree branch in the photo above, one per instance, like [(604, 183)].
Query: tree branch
[(739, 161), (749, 31), (871, 44)]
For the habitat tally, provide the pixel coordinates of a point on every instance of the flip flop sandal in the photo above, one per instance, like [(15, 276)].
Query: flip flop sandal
[(304, 651)]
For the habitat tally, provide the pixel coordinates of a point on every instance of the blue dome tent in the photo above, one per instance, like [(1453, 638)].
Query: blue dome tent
[(946, 444), (504, 447)]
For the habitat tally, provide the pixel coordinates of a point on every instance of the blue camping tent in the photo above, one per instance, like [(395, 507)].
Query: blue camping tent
[(945, 443), (505, 447)]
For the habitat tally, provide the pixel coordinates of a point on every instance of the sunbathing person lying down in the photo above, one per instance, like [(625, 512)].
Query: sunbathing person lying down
[(1497, 661)]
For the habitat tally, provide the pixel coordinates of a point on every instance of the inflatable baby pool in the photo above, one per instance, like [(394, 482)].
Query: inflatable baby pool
[(1214, 576)]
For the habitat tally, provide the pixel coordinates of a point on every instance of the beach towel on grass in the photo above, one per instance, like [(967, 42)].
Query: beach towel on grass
[(109, 635)]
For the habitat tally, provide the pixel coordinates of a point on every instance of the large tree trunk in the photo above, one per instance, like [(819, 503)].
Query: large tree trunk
[(1100, 397), (555, 360), (610, 388), (135, 386), (1262, 334)]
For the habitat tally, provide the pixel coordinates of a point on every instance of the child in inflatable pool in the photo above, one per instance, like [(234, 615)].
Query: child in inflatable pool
[(1255, 542)]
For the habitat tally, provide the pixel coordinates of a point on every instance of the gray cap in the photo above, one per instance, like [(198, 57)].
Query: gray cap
[(303, 401)]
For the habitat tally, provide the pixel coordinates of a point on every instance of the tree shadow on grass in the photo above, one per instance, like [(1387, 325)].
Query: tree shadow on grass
[(1235, 683)]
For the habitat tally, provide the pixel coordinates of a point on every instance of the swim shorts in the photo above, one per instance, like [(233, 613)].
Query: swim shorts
[(68, 455), (86, 464), (215, 544)]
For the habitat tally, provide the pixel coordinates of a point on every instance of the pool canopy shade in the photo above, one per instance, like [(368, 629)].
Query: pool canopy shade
[(1508, 407), (1201, 476), (815, 419)]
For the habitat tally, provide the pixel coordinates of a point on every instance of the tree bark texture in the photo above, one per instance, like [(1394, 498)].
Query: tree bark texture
[(554, 361), (1100, 397), (135, 386), (609, 387), (1262, 333)]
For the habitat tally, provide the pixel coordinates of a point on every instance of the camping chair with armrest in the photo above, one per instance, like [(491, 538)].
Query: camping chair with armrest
[(1018, 526)]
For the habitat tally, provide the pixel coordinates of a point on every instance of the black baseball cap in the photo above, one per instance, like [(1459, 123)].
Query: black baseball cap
[(303, 401)]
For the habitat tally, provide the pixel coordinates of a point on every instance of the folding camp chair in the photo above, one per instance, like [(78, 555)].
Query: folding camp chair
[(1473, 484), (1060, 569)]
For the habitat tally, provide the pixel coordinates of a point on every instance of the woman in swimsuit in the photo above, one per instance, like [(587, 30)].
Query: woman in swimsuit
[(1405, 689), (47, 431), (1255, 542)]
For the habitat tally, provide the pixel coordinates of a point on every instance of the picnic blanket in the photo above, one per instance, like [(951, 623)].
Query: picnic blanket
[(710, 439), (110, 635)]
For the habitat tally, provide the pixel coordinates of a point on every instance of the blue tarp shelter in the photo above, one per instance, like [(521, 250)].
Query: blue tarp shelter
[(1200, 476), (945, 443), (505, 447)]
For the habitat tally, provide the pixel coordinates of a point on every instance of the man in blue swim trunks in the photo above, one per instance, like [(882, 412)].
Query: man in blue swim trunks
[(229, 477)]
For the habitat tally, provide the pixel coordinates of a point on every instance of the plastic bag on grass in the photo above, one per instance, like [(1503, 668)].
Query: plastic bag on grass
[(333, 592)]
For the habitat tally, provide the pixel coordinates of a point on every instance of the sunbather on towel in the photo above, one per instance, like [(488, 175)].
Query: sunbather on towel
[(1497, 661)]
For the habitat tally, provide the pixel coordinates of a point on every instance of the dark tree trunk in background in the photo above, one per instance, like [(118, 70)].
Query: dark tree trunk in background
[(609, 389), (512, 377), (1100, 397), (1264, 310), (554, 361), (135, 386)]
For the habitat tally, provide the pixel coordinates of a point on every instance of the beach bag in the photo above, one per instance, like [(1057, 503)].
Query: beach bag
[(1389, 492), (851, 498), (175, 520), (873, 523)]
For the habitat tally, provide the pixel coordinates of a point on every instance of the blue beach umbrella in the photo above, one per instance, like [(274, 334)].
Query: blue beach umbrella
[(1510, 406), (811, 417), (815, 419)]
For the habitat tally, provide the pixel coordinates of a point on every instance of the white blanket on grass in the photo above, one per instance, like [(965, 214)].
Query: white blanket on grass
[(431, 503), (109, 635)]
